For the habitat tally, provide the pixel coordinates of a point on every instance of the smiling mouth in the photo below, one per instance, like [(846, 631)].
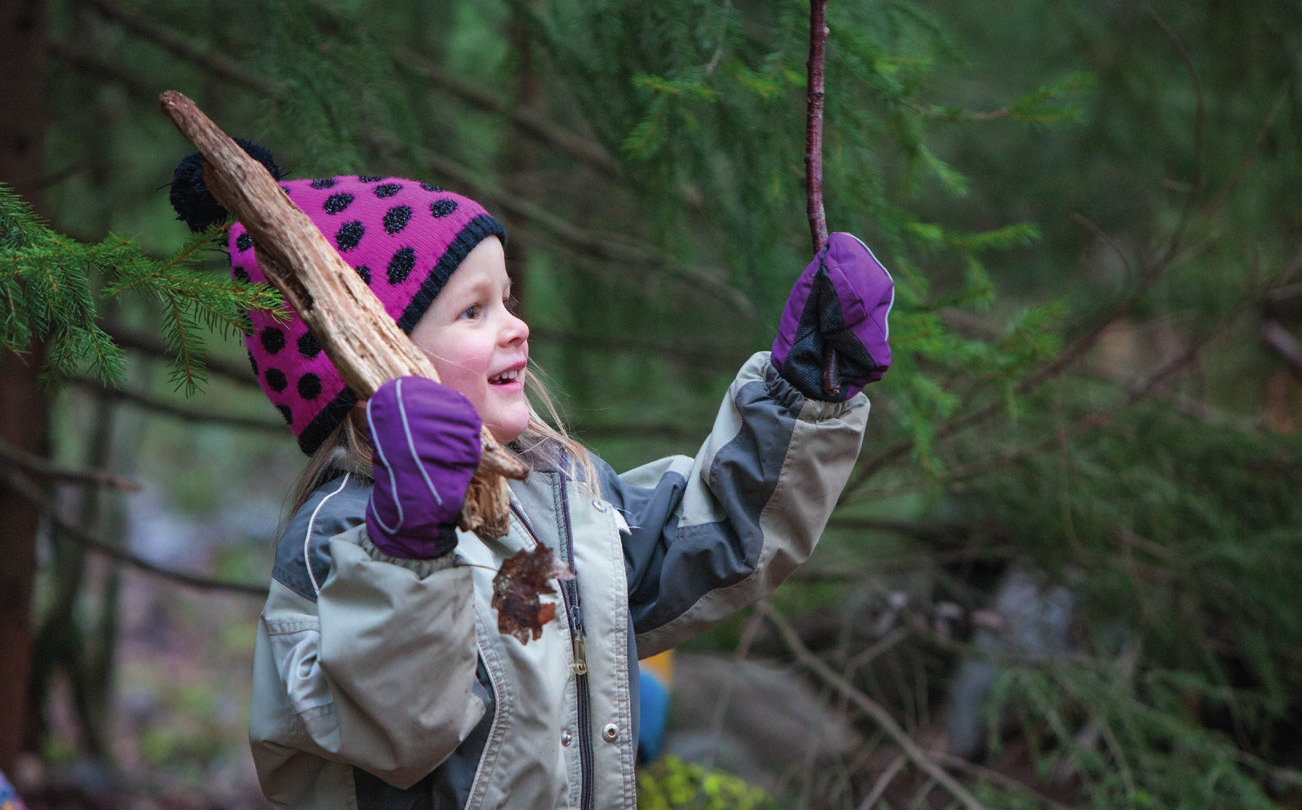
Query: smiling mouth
[(505, 378)]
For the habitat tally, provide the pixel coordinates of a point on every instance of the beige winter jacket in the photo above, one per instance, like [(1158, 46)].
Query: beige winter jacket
[(384, 683)]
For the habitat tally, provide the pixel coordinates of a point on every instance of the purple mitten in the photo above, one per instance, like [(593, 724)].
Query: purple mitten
[(425, 439), (832, 340)]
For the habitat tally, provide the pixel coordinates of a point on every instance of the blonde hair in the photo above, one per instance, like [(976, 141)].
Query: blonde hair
[(545, 443)]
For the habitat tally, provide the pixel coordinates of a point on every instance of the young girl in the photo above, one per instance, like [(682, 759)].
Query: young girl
[(380, 678)]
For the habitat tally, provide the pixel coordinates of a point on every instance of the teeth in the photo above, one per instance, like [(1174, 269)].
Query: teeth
[(505, 377)]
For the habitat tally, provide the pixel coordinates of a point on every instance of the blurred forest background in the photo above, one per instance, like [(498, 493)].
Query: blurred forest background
[(1065, 572)]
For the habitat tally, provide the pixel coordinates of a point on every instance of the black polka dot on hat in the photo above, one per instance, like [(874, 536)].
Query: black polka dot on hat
[(428, 187), (337, 203), (272, 339), (309, 386), (276, 380), (442, 208), (387, 190), (240, 274), (253, 361), (350, 235), (286, 414), (324, 182), (243, 242), (307, 345), (369, 178), (401, 264), (365, 273), (396, 218)]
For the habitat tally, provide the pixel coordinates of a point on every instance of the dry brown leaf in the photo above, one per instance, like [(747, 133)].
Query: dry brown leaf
[(523, 578)]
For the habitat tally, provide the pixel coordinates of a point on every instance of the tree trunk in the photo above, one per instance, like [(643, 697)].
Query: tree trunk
[(26, 420)]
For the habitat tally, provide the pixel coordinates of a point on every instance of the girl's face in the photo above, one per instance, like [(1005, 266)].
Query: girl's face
[(477, 344)]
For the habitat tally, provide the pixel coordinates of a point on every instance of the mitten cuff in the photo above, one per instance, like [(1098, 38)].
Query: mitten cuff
[(409, 547)]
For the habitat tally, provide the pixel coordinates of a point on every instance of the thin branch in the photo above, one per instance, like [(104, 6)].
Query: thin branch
[(528, 121), (86, 63), (18, 483), (153, 348), (1135, 393), (1249, 156), (1282, 342), (883, 782), (924, 761), (1199, 123), (1071, 354), (606, 247), (148, 403), (996, 778), (814, 125), (42, 468), (181, 47)]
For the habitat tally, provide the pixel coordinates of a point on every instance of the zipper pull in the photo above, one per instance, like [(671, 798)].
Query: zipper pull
[(580, 644)]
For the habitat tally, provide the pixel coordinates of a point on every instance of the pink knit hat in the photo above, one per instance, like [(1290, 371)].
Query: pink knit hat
[(404, 239)]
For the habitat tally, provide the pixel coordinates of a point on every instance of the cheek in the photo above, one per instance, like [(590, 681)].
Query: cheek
[(459, 367), (459, 377)]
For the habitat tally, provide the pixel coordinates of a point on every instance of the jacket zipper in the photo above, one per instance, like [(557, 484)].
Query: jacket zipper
[(570, 596), (579, 645)]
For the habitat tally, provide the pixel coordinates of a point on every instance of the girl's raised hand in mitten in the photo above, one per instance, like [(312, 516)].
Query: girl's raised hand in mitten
[(832, 340), (426, 446)]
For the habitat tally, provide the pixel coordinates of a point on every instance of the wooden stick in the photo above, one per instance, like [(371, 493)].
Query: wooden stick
[(338, 308), (814, 125), (814, 165)]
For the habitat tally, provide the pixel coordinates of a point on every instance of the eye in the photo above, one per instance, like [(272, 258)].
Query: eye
[(470, 312)]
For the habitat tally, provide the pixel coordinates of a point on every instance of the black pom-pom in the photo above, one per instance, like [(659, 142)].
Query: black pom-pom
[(193, 203)]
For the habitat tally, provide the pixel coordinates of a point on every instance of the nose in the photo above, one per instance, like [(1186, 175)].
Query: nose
[(514, 330)]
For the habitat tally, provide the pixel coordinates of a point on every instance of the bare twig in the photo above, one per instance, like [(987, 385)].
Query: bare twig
[(605, 247), (1282, 342), (153, 348), (883, 782), (182, 47), (101, 391), (21, 485), (996, 778), (1137, 391), (528, 121), (924, 761), (1154, 270), (814, 125), (42, 468)]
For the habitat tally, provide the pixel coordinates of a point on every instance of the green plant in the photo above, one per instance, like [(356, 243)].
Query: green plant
[(672, 784)]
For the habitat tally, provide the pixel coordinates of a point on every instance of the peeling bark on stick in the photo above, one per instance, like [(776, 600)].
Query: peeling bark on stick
[(343, 315)]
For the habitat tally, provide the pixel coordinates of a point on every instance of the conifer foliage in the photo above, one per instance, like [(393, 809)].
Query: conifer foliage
[(1064, 571), (53, 286)]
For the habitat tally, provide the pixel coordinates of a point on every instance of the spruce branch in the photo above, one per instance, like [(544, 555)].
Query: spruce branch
[(48, 292)]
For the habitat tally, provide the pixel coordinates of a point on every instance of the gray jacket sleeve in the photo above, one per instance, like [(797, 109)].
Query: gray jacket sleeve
[(360, 658), (712, 534)]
